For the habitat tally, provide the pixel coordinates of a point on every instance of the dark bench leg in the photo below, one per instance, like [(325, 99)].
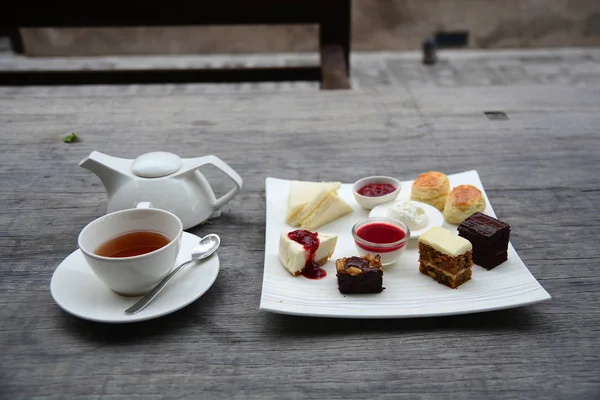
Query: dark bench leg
[(16, 41), (334, 45)]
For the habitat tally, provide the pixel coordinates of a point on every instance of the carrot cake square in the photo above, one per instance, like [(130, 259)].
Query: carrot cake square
[(445, 257)]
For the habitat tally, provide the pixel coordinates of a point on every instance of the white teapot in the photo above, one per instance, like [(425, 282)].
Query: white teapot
[(166, 180)]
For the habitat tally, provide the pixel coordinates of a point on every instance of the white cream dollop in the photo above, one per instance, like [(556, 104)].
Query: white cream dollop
[(410, 213)]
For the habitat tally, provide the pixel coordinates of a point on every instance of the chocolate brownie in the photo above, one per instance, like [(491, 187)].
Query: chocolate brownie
[(359, 274), (489, 237)]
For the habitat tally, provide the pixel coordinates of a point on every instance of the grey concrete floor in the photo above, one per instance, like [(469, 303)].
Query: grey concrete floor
[(456, 68)]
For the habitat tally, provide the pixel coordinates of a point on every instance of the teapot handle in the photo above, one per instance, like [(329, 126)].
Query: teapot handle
[(227, 170)]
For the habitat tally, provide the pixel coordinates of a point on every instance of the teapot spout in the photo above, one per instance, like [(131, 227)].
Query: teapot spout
[(112, 171)]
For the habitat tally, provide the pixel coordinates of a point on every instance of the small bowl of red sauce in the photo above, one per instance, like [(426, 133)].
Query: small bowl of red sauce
[(384, 236), (375, 190)]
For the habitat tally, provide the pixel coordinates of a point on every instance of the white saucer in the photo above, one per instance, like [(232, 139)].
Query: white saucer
[(434, 216), (77, 290)]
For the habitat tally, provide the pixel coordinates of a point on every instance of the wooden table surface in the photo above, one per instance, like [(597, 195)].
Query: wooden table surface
[(539, 168)]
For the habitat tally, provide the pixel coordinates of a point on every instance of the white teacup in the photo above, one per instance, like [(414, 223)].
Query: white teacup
[(136, 275)]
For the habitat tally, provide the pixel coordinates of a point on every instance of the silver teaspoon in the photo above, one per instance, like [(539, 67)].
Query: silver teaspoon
[(207, 245)]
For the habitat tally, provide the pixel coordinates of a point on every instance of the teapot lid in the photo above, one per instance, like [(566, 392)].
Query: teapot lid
[(156, 164)]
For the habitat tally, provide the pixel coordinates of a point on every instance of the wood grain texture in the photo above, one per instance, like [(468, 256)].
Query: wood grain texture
[(539, 169)]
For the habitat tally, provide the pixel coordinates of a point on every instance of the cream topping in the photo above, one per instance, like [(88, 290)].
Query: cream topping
[(445, 241), (410, 213), (460, 271)]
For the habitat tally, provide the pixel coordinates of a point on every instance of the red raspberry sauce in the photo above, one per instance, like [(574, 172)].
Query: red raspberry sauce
[(310, 242), (382, 233), (376, 189)]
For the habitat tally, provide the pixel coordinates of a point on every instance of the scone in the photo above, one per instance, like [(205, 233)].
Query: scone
[(462, 202), (431, 188)]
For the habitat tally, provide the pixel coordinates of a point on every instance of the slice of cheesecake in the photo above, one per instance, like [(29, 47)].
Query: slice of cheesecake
[(302, 193), (303, 249)]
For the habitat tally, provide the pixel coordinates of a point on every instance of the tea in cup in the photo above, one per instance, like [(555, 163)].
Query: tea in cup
[(132, 250)]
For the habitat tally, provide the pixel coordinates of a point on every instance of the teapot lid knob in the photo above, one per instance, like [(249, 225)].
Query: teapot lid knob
[(156, 164)]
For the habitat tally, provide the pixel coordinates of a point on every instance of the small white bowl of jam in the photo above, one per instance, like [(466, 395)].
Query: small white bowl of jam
[(384, 236), (374, 190)]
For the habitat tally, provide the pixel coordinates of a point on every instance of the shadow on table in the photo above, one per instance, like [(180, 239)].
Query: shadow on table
[(106, 333), (202, 313), (519, 319)]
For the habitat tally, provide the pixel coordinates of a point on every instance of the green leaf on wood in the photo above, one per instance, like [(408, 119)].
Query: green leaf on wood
[(70, 138)]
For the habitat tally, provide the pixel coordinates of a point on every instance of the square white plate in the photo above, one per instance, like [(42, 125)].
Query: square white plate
[(408, 293)]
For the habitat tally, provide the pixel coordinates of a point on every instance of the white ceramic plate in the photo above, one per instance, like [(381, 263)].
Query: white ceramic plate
[(78, 291), (434, 216), (408, 293)]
